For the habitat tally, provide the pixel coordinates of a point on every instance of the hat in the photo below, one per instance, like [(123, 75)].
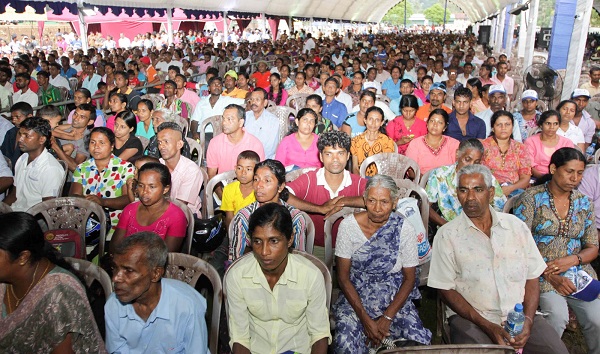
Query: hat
[(145, 60), (580, 93), (231, 73), (262, 61), (25, 37), (368, 85), (529, 94), (588, 288), (438, 86), (496, 88)]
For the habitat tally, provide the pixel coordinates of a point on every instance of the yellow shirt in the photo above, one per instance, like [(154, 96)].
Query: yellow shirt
[(233, 200), (236, 93), (291, 317)]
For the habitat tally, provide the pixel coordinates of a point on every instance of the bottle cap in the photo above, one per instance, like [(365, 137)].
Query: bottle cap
[(519, 307)]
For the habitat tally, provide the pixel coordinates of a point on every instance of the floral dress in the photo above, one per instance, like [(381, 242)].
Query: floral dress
[(372, 275), (104, 184)]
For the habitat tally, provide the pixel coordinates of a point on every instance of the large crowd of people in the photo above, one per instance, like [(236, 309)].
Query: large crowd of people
[(130, 139)]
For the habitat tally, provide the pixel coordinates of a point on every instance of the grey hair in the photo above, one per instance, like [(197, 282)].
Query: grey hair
[(383, 181), (469, 144), (154, 247), (477, 169), (167, 114)]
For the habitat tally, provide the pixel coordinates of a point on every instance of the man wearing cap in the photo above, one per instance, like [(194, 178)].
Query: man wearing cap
[(502, 79), (593, 86), (437, 96), (582, 118), (231, 90), (483, 263), (527, 118), (497, 100), (261, 77)]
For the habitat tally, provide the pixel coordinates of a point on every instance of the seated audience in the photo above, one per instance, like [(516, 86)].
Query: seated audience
[(275, 91), (506, 158), (561, 220), (437, 97), (372, 142), (80, 97), (127, 146), (541, 146), (269, 187), (10, 147), (477, 103), (117, 103), (158, 117), (299, 148), (261, 123), (404, 128), (149, 311), (567, 128), (101, 179), (354, 124), (376, 258), (324, 125), (463, 124), (434, 149), (482, 285), (38, 175), (45, 307), (240, 193), (297, 320), (528, 116), (144, 112)]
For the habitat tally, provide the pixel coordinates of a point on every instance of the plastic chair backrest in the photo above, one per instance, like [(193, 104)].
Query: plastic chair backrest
[(73, 83), (155, 98), (71, 213), (408, 188), (5, 208), (292, 175), (145, 141), (310, 233), (217, 125), (297, 101), (283, 114), (186, 247), (209, 197), (328, 229), (194, 145), (510, 203), (204, 185), (183, 123), (425, 178), (66, 169), (91, 272), (391, 164), (188, 269)]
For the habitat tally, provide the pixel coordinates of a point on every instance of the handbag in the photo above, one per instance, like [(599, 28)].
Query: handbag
[(208, 233)]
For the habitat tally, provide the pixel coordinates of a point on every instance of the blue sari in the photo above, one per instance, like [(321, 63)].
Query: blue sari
[(376, 285)]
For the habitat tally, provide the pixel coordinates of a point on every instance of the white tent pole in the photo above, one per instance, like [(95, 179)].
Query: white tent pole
[(170, 24), (225, 29), (82, 26), (522, 35), (530, 44), (577, 47), (509, 40), (500, 31)]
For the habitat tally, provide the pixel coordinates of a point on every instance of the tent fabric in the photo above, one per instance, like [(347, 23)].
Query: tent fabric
[(349, 10)]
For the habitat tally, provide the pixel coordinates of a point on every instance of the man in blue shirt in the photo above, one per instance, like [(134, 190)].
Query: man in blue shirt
[(67, 71), (147, 313), (263, 124), (407, 87), (462, 124), (333, 109)]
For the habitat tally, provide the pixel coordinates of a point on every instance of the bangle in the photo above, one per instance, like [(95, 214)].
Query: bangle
[(579, 258), (529, 318), (387, 317)]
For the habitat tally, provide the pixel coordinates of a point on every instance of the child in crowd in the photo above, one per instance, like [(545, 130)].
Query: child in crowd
[(240, 193), (131, 188), (102, 87)]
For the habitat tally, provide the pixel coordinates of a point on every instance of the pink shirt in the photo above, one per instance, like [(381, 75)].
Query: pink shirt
[(540, 160), (191, 98), (172, 222), (418, 151), (186, 181), (290, 152), (222, 154), (396, 130), (283, 93)]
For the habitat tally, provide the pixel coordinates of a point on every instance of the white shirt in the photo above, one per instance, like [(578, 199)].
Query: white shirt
[(440, 78), (381, 77), (463, 80), (486, 116), (5, 126), (388, 114), (345, 99), (41, 178), (573, 133), (308, 45), (124, 42), (29, 97), (4, 97), (204, 110), (4, 170), (60, 81), (164, 66)]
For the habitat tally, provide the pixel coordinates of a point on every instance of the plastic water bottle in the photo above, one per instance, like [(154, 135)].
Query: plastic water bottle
[(514, 322), (589, 152)]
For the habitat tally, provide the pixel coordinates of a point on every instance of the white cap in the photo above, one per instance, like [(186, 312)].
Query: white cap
[(496, 88), (367, 85), (529, 94), (580, 92)]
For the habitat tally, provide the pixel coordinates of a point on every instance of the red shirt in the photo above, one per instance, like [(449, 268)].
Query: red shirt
[(262, 80)]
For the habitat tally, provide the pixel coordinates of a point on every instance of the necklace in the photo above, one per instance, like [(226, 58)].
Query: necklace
[(33, 282), (563, 224), (435, 151), (502, 153)]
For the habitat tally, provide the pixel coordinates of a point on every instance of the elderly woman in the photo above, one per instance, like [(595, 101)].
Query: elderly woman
[(561, 220), (507, 158), (45, 308), (541, 146), (434, 149), (376, 257)]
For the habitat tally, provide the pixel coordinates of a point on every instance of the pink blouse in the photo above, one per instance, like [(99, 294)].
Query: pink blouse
[(539, 159), (396, 130), (425, 158), (172, 222), (290, 152)]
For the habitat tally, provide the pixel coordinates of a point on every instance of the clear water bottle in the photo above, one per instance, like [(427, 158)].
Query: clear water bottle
[(589, 152), (515, 321)]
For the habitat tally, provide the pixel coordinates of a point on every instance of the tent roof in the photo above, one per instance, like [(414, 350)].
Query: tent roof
[(349, 10)]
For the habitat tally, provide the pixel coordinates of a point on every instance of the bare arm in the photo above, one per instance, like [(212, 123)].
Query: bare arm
[(11, 197), (117, 238), (211, 172), (64, 347), (240, 349), (194, 129), (536, 173), (5, 183), (174, 243), (127, 154), (320, 347), (435, 218), (355, 165)]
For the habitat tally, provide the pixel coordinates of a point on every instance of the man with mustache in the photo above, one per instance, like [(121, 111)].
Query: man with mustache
[(261, 123)]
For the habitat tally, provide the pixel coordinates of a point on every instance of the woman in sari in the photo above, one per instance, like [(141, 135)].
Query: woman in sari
[(44, 308), (376, 257), (562, 223)]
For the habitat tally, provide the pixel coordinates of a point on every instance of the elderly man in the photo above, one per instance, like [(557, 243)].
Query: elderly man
[(186, 177), (437, 97), (497, 98), (148, 313), (441, 185), (38, 176), (224, 148), (263, 124), (483, 263)]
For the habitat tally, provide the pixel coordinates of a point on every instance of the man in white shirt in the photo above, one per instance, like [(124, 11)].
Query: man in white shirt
[(164, 64), (124, 42), (38, 175), (504, 80), (439, 74), (466, 74), (309, 44), (56, 79), (382, 74), (261, 123), (24, 94)]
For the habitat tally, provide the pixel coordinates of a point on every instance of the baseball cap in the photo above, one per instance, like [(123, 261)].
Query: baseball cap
[(496, 88), (231, 73), (438, 86), (529, 94), (580, 92), (588, 288), (367, 85), (145, 60)]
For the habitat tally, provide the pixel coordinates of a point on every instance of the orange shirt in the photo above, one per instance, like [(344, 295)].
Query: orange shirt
[(423, 112), (151, 74)]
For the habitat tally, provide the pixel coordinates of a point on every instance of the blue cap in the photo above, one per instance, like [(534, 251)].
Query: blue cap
[(438, 86)]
